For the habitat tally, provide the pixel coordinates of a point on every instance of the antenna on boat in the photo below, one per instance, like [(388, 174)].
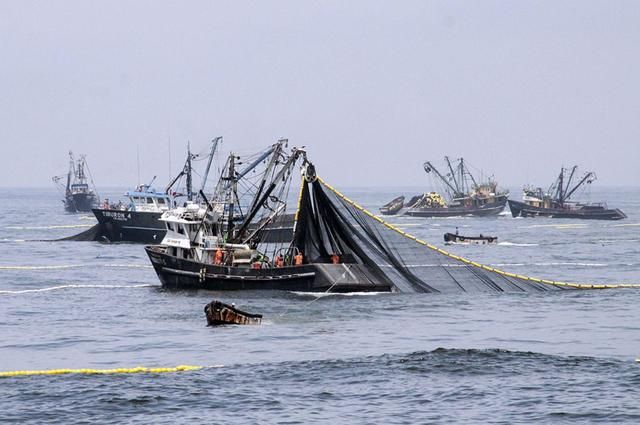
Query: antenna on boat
[(138, 161), (188, 166), (169, 148)]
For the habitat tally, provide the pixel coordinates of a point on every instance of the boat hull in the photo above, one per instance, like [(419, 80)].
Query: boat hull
[(179, 273), (489, 209), (80, 202), (452, 238), (521, 209), (130, 226), (146, 227), (393, 207), (219, 313)]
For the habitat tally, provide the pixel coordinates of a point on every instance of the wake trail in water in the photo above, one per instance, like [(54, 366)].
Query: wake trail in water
[(75, 266), (74, 286), (517, 244), (61, 226)]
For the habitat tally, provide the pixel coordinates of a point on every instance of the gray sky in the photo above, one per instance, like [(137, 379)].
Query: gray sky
[(371, 88)]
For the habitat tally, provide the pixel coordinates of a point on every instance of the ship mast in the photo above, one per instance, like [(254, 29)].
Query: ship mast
[(589, 177), (286, 167), (234, 187), (214, 146), (188, 172), (428, 167), (277, 150), (457, 191)]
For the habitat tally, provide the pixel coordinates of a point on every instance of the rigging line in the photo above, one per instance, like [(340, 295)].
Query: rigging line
[(347, 269)]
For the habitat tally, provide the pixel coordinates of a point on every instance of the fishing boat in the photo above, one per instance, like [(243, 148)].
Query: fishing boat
[(219, 313), (393, 207), (79, 196), (138, 220), (457, 239), (205, 248), (556, 203), (465, 195)]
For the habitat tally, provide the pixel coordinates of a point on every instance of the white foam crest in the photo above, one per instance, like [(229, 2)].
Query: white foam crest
[(74, 266), (58, 267), (129, 266), (557, 226), (553, 264), (517, 244), (56, 288), (341, 294)]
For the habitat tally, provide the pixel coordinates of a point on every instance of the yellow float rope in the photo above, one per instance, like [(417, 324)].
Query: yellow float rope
[(139, 369), (473, 263)]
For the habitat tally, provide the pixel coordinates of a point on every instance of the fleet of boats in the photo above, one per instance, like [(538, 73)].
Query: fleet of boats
[(466, 196), (242, 236)]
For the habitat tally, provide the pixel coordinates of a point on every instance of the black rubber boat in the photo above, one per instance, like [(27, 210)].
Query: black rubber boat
[(393, 207)]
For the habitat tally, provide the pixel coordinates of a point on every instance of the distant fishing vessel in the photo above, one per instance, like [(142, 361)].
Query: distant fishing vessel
[(467, 196), (555, 202), (78, 195)]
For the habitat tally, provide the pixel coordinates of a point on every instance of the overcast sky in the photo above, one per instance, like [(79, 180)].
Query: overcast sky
[(373, 89)]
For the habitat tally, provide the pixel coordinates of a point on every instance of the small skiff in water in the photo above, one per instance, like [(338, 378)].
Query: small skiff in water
[(219, 313), (454, 238)]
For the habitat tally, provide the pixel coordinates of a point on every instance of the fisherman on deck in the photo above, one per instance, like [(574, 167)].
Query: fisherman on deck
[(298, 259), (335, 259), (218, 257), (278, 261)]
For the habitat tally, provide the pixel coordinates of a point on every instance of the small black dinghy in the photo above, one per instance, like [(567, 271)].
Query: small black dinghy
[(393, 207), (454, 238), (219, 313)]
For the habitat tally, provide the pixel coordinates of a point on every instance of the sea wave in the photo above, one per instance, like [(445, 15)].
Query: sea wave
[(75, 286), (71, 266), (60, 226), (517, 244)]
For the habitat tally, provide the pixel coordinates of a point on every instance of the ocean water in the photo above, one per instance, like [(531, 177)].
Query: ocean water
[(564, 357)]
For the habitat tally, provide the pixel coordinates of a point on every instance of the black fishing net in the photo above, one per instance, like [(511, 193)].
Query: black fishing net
[(329, 224)]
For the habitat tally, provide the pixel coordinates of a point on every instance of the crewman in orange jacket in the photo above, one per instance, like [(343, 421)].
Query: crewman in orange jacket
[(218, 257)]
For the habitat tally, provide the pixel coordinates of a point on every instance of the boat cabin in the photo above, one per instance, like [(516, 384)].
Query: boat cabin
[(80, 188), (144, 198)]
